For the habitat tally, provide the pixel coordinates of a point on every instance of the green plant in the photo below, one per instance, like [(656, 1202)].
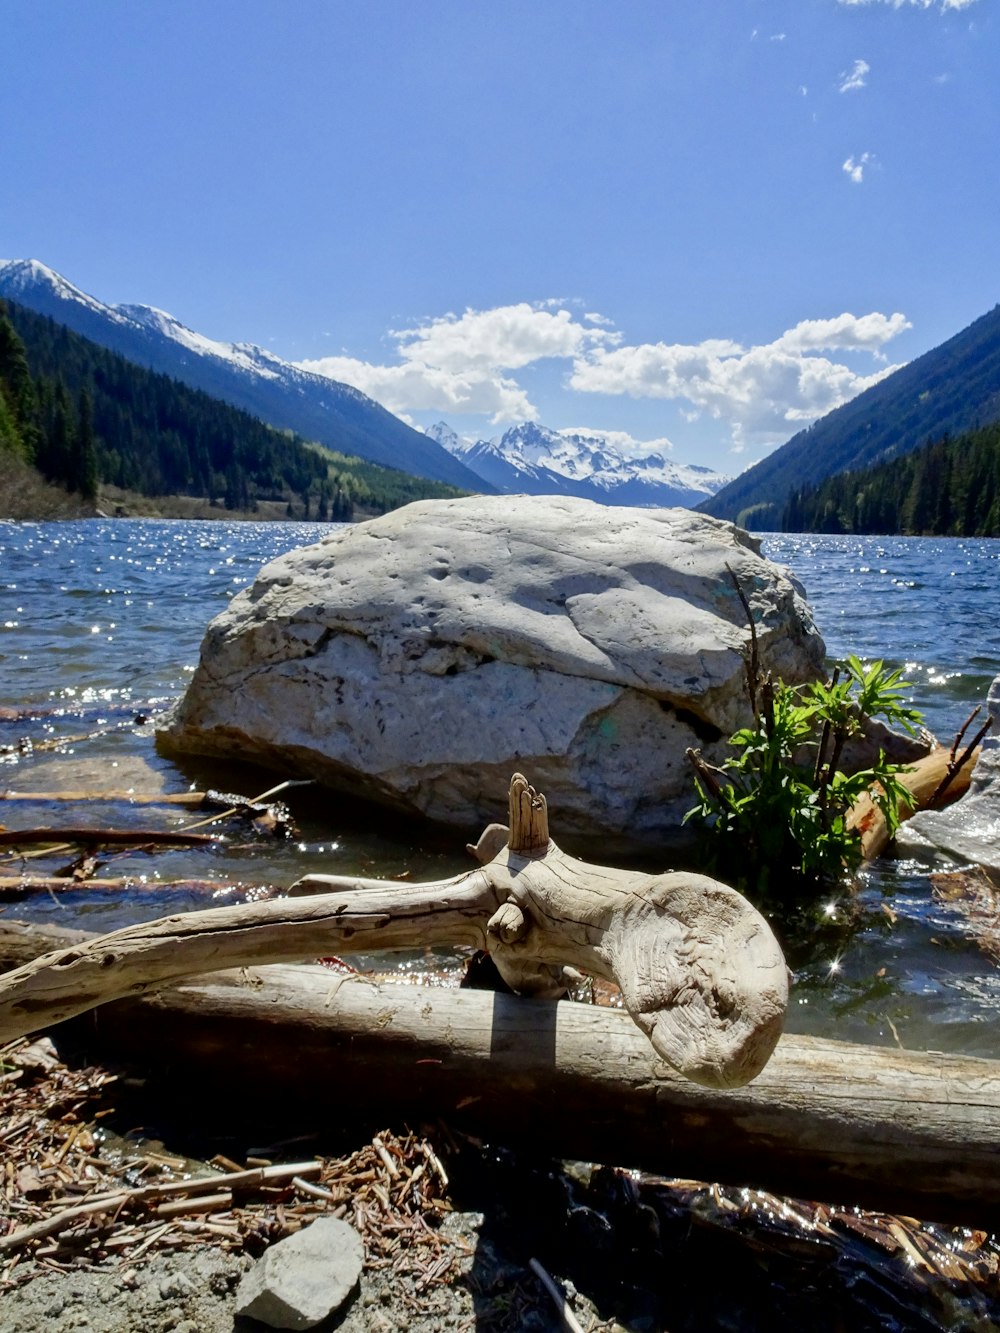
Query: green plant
[(776, 811)]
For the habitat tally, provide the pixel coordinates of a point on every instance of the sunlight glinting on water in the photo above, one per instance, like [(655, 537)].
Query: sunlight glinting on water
[(101, 624)]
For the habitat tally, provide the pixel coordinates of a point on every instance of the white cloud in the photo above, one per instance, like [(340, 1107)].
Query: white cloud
[(943, 5), (463, 365), (855, 166), (845, 332), (764, 392), (507, 337), (855, 77), (416, 387), (457, 363)]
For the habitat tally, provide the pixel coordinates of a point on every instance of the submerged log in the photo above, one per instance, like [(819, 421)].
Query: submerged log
[(889, 1129), (699, 969)]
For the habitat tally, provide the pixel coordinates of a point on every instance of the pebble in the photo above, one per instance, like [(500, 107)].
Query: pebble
[(175, 1287)]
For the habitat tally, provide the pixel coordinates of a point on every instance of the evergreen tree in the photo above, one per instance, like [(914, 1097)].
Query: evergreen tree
[(950, 487), (20, 432), (82, 472)]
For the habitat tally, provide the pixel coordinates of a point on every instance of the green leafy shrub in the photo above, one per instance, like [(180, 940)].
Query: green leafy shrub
[(775, 813)]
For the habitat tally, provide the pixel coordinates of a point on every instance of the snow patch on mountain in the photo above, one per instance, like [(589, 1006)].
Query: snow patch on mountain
[(532, 459), (244, 356), (23, 276)]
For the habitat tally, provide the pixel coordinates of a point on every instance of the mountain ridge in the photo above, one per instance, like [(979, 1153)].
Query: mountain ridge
[(243, 374), (950, 389)]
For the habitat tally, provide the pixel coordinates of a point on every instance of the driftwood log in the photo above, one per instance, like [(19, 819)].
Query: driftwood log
[(699, 970), (888, 1129), (933, 782)]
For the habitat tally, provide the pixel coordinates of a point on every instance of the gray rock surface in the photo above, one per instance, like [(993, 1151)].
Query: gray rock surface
[(303, 1279), (969, 829), (420, 658)]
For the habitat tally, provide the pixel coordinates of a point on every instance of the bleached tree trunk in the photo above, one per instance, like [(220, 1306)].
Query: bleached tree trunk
[(888, 1129)]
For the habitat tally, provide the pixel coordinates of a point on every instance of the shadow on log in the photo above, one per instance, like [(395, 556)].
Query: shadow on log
[(699, 969), (887, 1129)]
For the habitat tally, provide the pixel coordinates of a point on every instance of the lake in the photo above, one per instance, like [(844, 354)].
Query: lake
[(100, 627)]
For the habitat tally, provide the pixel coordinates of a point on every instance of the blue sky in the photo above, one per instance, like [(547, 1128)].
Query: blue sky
[(698, 221)]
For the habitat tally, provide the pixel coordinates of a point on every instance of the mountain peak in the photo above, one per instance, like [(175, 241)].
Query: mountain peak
[(448, 439), (531, 458), (22, 277)]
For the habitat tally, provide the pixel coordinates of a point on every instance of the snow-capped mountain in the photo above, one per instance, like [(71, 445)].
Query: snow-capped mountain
[(243, 374), (534, 460)]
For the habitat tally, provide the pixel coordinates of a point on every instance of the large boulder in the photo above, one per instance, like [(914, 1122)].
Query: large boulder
[(420, 658)]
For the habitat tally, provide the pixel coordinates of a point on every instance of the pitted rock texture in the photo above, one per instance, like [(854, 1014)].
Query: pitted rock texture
[(419, 659)]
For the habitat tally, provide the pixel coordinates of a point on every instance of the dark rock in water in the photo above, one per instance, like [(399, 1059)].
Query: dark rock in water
[(303, 1279)]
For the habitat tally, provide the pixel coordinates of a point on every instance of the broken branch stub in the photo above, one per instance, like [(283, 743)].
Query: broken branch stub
[(529, 817), (699, 969)]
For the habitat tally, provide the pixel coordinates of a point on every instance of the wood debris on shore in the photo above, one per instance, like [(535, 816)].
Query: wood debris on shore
[(75, 1198), (69, 1201)]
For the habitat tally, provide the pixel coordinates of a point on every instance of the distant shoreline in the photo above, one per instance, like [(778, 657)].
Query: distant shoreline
[(26, 498)]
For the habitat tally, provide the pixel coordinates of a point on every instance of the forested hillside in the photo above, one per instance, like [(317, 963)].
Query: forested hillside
[(245, 376), (949, 488), (952, 388), (84, 416)]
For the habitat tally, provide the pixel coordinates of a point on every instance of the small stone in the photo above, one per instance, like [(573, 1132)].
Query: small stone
[(175, 1287), (221, 1283), (302, 1279)]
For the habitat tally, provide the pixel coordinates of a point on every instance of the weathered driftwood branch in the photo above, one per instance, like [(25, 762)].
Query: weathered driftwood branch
[(699, 969), (956, 761), (192, 800), (114, 1201), (884, 1128)]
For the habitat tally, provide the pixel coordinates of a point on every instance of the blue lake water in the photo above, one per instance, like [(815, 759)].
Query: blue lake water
[(101, 622)]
